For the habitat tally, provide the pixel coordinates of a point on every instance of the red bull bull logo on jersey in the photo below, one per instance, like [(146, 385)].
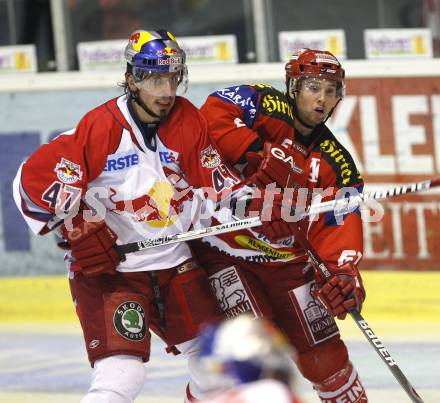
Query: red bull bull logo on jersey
[(158, 208), (210, 157), (68, 172)]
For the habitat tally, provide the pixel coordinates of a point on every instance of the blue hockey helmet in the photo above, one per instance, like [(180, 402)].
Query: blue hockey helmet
[(150, 52), (244, 350)]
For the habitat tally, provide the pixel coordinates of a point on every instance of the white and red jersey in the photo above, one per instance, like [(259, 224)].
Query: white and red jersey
[(141, 188), (241, 115), (266, 390)]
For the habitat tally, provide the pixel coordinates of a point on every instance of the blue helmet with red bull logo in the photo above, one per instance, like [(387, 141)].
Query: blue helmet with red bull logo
[(150, 52)]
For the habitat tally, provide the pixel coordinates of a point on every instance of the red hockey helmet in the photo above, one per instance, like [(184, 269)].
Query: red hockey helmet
[(311, 63)]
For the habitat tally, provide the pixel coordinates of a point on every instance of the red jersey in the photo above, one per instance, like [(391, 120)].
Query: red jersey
[(143, 187), (239, 116)]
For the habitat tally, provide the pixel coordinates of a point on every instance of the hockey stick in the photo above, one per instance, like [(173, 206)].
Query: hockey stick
[(361, 322), (347, 203), (337, 205), (188, 236)]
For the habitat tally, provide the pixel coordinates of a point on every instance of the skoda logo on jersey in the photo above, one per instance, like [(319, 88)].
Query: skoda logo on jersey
[(129, 321)]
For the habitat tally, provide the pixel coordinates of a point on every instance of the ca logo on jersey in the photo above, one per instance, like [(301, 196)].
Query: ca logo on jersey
[(129, 321), (281, 155)]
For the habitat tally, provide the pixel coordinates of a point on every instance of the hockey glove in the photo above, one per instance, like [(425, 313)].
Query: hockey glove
[(342, 292), (92, 246), (278, 165)]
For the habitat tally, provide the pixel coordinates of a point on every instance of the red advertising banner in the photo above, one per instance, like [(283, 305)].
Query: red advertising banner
[(392, 128)]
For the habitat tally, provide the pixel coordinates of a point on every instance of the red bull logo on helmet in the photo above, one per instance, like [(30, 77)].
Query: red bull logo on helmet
[(169, 61), (68, 172), (167, 52), (135, 37), (139, 39)]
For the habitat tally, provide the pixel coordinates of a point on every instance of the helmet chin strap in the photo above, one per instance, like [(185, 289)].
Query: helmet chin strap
[(135, 96), (295, 111), (331, 112)]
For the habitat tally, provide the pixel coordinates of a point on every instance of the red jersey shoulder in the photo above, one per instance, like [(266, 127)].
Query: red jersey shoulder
[(339, 160), (267, 89), (104, 125), (274, 103), (183, 110), (184, 127), (97, 135)]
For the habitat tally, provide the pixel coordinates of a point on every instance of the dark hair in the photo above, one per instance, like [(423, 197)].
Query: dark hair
[(124, 84)]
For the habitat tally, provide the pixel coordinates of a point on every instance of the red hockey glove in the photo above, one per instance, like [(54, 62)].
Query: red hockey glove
[(92, 245), (343, 292), (270, 211), (277, 165)]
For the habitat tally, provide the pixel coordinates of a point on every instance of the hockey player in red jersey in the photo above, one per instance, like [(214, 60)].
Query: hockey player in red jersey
[(269, 275), (129, 171), (251, 358)]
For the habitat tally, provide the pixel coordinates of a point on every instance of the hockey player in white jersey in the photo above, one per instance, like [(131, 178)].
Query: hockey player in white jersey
[(135, 161)]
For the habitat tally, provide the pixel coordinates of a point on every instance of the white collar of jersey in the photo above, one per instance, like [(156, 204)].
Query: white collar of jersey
[(122, 103)]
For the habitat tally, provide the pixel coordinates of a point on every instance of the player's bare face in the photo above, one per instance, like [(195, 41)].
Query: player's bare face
[(158, 92), (160, 105), (315, 100)]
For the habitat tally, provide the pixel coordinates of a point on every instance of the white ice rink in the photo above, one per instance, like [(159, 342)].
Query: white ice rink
[(49, 365)]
